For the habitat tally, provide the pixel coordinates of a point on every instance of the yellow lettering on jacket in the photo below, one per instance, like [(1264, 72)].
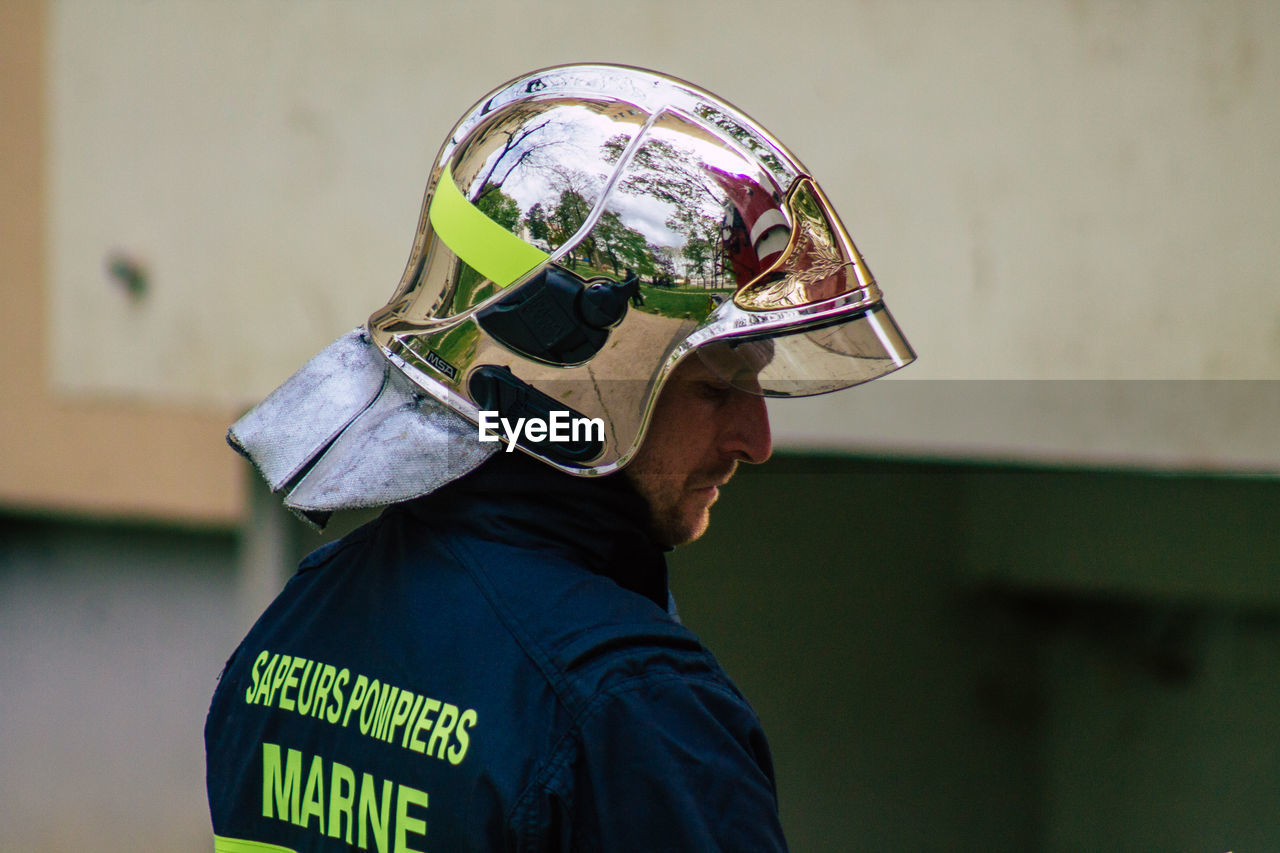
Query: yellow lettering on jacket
[(387, 712), (365, 813)]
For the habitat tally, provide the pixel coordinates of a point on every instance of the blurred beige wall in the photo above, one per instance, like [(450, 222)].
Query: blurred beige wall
[(80, 452), (1080, 192)]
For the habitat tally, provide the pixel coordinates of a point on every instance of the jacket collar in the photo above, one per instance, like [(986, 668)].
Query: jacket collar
[(601, 523)]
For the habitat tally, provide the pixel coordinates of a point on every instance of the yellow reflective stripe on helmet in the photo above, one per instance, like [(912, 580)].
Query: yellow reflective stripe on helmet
[(238, 845), (486, 246)]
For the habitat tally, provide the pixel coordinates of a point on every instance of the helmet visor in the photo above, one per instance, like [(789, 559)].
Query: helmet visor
[(818, 359)]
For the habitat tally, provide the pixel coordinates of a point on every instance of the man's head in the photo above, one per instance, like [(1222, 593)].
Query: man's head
[(702, 427)]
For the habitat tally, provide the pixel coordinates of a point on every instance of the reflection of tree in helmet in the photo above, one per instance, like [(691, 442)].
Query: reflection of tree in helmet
[(666, 172), (576, 193), (519, 148)]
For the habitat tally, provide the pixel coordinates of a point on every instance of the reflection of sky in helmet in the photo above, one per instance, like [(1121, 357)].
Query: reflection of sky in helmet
[(568, 144), (702, 148), (565, 137), (694, 150), (647, 215)]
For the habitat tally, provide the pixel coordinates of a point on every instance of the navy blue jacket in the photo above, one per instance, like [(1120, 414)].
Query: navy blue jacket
[(492, 667)]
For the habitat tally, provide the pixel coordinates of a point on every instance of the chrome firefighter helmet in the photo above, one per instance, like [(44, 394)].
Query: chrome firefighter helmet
[(587, 227)]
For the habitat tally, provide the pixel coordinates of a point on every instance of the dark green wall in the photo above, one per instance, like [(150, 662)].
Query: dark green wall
[(952, 657)]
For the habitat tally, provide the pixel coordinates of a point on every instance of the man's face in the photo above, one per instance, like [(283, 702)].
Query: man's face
[(701, 428)]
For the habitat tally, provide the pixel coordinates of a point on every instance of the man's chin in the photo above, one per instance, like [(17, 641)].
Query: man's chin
[(683, 527)]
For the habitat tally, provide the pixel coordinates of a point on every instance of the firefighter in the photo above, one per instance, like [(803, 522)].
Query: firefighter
[(496, 662)]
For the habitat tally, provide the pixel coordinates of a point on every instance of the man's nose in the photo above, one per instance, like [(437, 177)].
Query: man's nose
[(745, 434)]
